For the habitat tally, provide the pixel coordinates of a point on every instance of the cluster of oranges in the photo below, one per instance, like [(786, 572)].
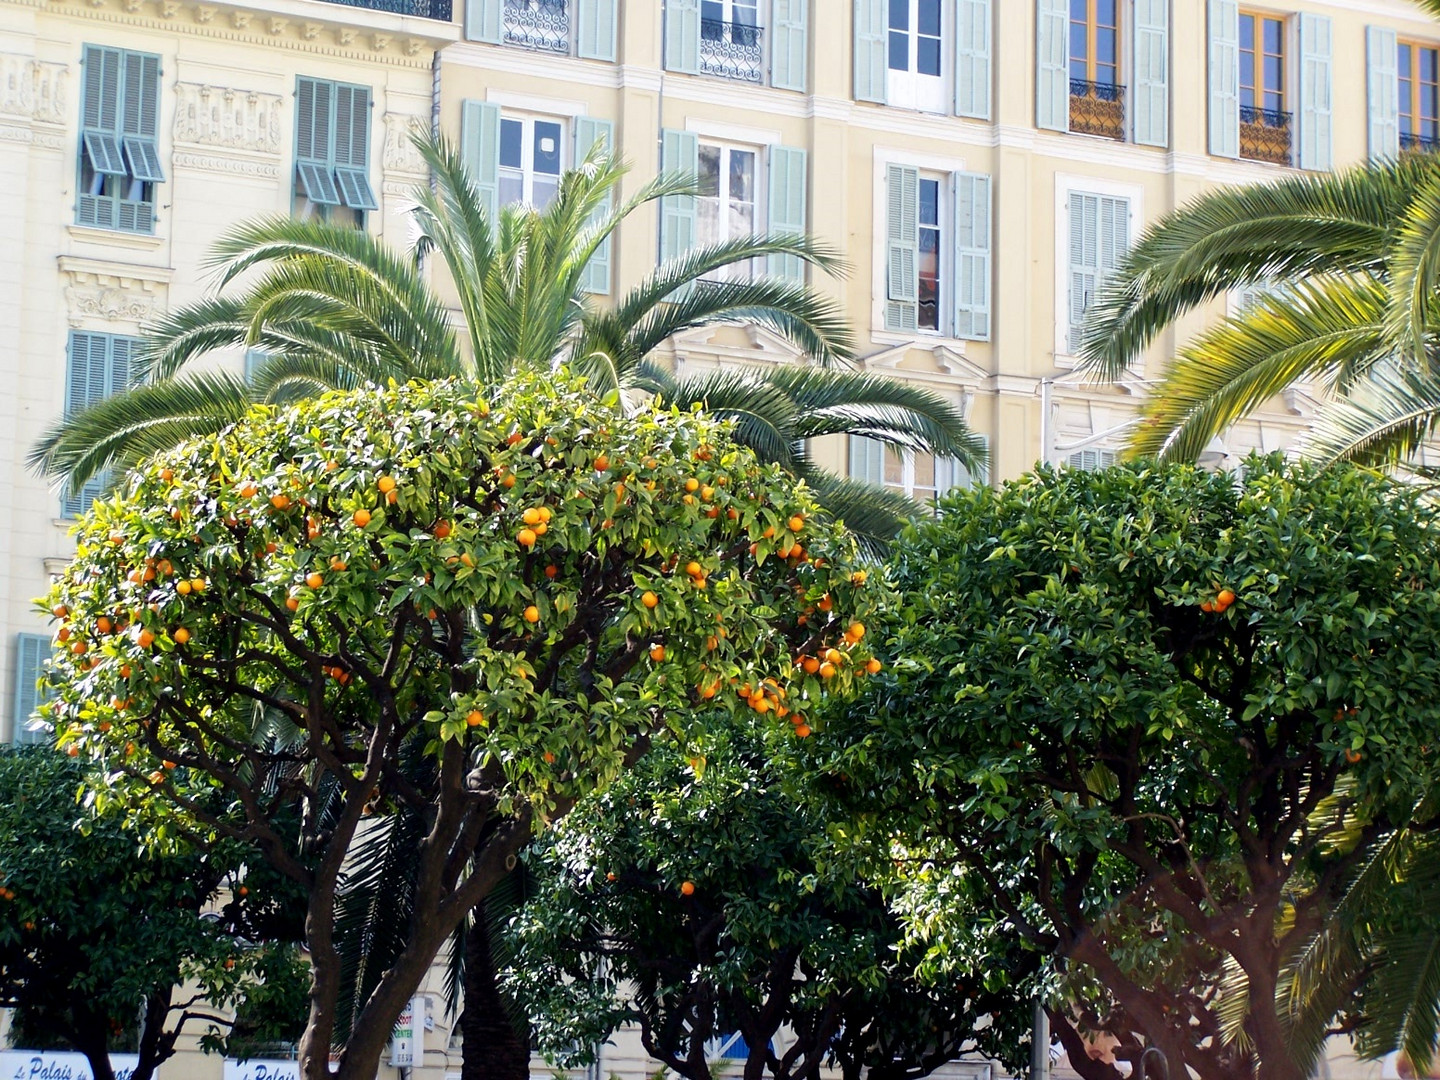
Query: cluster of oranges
[(1223, 599), (537, 522)]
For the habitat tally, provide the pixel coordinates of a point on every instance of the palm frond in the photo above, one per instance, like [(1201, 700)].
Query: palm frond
[(875, 515), (1383, 422), (764, 417)]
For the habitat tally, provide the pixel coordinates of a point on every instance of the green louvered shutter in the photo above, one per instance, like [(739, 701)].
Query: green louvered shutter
[(595, 39), (1224, 29), (787, 207), (100, 131), (1316, 110), (972, 59), (31, 652), (483, 20), (140, 117), (1152, 72), (1052, 64), (972, 256), (867, 460), (480, 150), (679, 153), (788, 44), (682, 36), (315, 141), (98, 365), (871, 67), (1382, 77), (902, 247), (589, 131), (352, 147)]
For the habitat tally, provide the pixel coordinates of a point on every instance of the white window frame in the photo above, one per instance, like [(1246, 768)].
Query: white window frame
[(759, 186), (528, 120), (1065, 185), (911, 90), (949, 473)]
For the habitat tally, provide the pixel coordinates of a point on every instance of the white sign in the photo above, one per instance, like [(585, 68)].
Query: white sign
[(407, 1043), (50, 1065), (257, 1069)]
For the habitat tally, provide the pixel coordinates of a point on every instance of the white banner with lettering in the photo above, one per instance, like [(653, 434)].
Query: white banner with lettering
[(54, 1065), (258, 1069)]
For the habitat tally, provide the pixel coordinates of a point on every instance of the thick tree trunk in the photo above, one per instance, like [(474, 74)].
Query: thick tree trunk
[(494, 1050), (92, 1038)]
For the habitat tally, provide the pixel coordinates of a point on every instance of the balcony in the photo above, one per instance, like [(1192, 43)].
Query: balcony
[(1265, 135), (731, 51), (542, 25), (440, 10), (1418, 144), (1097, 109)]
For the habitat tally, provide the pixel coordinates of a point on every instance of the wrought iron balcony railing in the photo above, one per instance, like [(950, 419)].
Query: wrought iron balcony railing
[(543, 25), (1265, 135), (732, 50), (1097, 109), (440, 10), (1419, 144)]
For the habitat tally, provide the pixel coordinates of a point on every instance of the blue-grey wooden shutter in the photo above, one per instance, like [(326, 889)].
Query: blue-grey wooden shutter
[(1316, 119), (972, 59), (788, 45), (871, 66), (100, 131), (590, 130), (315, 141), (787, 207), (1099, 237), (1382, 66), (480, 150), (902, 247), (1224, 29), (31, 652), (483, 20), (595, 39), (139, 117), (98, 366), (1052, 64), (679, 153), (1151, 93), (867, 460), (682, 36), (352, 147), (972, 256)]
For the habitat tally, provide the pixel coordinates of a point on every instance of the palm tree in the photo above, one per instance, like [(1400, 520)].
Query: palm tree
[(333, 307)]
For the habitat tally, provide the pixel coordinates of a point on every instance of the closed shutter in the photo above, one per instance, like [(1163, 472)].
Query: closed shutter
[(1383, 92), (787, 207), (1092, 460), (972, 59), (788, 33), (1099, 237), (590, 131), (1316, 121), (871, 67), (597, 29), (682, 36), (315, 141), (867, 460), (1224, 26), (979, 477), (902, 247), (480, 150), (483, 20), (679, 153), (1052, 64), (1152, 72), (972, 256), (98, 366), (31, 652), (352, 147)]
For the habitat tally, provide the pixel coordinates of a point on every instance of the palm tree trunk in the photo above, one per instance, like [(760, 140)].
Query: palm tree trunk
[(494, 1049)]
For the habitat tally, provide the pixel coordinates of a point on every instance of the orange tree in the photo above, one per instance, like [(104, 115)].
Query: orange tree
[(527, 590)]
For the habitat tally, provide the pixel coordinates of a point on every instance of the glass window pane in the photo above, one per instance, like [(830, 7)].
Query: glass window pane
[(1274, 36), (1402, 57), (929, 202), (1107, 75), (1079, 42), (1427, 65), (1274, 101), (899, 14), (1247, 97), (925, 472), (894, 468), (927, 56), (545, 190), (547, 148), (1105, 13), (709, 171), (742, 219), (1080, 10), (1247, 32), (899, 51), (512, 187), (707, 221), (1106, 46), (744, 12), (512, 143), (712, 11), (742, 175), (928, 17), (1247, 69), (1272, 73)]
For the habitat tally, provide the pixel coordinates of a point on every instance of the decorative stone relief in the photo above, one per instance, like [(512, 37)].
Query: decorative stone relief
[(33, 88), (112, 292), (234, 119), (400, 154)]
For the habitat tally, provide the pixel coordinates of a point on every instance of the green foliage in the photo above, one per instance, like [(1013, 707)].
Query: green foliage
[(1088, 760)]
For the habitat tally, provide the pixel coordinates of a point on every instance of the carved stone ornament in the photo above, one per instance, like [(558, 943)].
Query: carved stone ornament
[(111, 292), (400, 155), (234, 119), (32, 88)]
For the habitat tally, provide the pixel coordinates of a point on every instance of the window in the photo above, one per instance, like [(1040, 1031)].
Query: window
[(929, 262), (1091, 460), (921, 476), (332, 150), (31, 652), (531, 160), (726, 207), (537, 24), (913, 49), (1095, 42), (119, 154), (1264, 123), (99, 365), (1099, 229), (1418, 67)]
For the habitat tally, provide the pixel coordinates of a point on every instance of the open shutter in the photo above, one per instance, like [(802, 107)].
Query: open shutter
[(1152, 72), (352, 147), (1383, 92), (1224, 28), (682, 36), (788, 34), (972, 256), (902, 247), (483, 21), (1316, 121), (1052, 64), (589, 131), (139, 117), (31, 652), (871, 67), (972, 59), (787, 207), (867, 460), (679, 153), (595, 39), (480, 150), (315, 141)]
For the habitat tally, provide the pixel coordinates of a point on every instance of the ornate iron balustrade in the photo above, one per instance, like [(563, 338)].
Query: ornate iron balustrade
[(1097, 109), (439, 10), (1418, 144), (543, 25), (732, 50), (1265, 135)]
